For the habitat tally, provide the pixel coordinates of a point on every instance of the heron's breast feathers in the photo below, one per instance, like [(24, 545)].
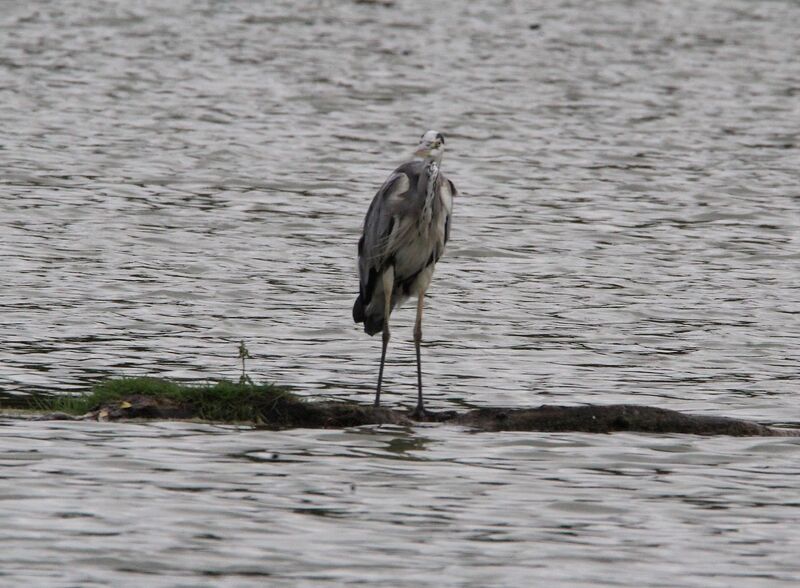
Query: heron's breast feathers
[(408, 224)]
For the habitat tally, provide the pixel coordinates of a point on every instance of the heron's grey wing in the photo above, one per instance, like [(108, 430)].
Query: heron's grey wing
[(381, 226)]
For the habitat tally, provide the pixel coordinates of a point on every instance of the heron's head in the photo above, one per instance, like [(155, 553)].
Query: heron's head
[(431, 146)]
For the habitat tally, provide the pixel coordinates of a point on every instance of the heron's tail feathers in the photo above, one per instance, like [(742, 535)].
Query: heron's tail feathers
[(373, 323)]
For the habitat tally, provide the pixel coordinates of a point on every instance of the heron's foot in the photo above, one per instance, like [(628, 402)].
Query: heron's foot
[(420, 414), (429, 416)]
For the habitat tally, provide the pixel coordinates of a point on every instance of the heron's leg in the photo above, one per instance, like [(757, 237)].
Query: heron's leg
[(388, 284), (420, 410)]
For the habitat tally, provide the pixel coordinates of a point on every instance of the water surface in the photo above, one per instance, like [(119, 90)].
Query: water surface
[(181, 176)]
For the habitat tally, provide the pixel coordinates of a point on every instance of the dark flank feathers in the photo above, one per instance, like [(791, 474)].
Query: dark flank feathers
[(372, 324)]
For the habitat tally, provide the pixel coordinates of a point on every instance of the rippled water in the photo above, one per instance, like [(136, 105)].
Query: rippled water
[(180, 176), (186, 505)]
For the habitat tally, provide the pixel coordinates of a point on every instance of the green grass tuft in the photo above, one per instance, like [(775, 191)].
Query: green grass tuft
[(221, 401)]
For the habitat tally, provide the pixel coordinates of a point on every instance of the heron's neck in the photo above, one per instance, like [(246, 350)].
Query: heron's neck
[(432, 171)]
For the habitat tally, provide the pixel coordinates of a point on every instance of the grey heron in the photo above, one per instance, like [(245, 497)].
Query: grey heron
[(405, 232)]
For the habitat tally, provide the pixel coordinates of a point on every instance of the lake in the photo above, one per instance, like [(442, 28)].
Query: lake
[(179, 177)]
